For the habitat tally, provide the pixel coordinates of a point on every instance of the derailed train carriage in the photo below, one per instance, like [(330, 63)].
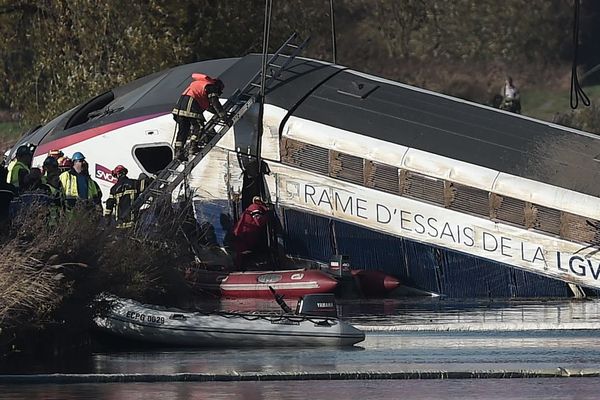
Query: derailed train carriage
[(449, 196)]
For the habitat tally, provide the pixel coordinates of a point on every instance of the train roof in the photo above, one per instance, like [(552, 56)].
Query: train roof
[(370, 106)]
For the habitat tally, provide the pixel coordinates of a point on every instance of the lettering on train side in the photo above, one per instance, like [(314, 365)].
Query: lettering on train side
[(104, 174), (344, 207), (404, 219), (434, 224), (578, 265), (332, 200), (361, 208)]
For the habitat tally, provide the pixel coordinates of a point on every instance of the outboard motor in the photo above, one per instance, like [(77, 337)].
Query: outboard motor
[(321, 305), (339, 265)]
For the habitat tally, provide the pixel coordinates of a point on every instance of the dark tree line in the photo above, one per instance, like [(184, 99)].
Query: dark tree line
[(56, 53)]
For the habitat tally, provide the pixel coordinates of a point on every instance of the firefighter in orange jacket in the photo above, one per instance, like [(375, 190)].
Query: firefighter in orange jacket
[(201, 95)]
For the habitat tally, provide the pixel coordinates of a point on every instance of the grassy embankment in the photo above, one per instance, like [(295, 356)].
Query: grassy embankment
[(9, 133), (545, 103)]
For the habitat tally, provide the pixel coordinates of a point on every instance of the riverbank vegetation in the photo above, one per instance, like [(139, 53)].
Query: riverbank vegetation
[(51, 270)]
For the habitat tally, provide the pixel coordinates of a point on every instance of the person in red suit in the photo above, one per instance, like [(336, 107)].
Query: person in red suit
[(250, 232)]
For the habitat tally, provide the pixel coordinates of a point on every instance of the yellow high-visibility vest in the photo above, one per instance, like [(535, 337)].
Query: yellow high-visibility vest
[(14, 167), (68, 182)]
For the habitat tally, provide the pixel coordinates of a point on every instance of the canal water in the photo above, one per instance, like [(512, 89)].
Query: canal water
[(494, 389), (419, 335)]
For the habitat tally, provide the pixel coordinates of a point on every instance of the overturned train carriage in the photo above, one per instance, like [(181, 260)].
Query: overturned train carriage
[(451, 197)]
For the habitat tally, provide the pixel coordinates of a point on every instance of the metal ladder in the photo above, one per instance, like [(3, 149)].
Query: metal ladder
[(235, 107)]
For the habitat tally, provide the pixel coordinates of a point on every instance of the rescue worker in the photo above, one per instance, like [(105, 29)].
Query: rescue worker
[(35, 190), (51, 174), (77, 185), (85, 168), (511, 98), (64, 164), (52, 181), (122, 195), (35, 195), (202, 94), (250, 232), (57, 154), (7, 194), (143, 182), (18, 168)]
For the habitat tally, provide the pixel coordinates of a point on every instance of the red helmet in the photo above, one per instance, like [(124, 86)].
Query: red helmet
[(118, 171), (65, 162), (56, 154)]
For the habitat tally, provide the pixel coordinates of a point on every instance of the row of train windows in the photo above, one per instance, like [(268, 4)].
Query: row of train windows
[(444, 193)]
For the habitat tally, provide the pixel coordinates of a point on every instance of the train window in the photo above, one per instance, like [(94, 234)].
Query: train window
[(153, 158), (82, 114)]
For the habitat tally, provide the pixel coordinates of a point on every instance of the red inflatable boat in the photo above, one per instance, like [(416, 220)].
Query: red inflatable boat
[(255, 284), (374, 283), (370, 283)]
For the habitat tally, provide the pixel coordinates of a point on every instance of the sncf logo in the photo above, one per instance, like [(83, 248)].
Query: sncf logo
[(105, 174)]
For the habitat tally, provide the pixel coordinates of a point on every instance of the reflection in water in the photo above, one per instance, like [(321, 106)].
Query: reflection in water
[(435, 311), (225, 361), (494, 389), (416, 311), (381, 351)]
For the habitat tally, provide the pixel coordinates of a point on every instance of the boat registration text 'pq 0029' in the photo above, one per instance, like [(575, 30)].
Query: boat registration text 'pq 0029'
[(144, 317)]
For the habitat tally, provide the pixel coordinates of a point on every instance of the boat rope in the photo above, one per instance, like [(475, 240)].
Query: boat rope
[(296, 318), (577, 92), (271, 241), (271, 317), (333, 41), (261, 96), (265, 50)]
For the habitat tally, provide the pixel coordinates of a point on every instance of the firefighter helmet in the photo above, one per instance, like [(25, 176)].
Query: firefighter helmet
[(23, 150), (118, 171), (78, 156), (56, 154), (65, 162)]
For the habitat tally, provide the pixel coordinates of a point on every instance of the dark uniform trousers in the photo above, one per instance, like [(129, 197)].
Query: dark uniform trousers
[(118, 204), (189, 118)]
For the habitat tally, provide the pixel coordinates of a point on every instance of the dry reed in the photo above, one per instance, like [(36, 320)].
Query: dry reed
[(51, 269)]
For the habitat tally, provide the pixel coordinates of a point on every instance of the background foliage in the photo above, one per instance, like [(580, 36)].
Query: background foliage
[(56, 53)]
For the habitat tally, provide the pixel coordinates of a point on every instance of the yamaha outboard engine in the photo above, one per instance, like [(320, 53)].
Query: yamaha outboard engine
[(321, 305)]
